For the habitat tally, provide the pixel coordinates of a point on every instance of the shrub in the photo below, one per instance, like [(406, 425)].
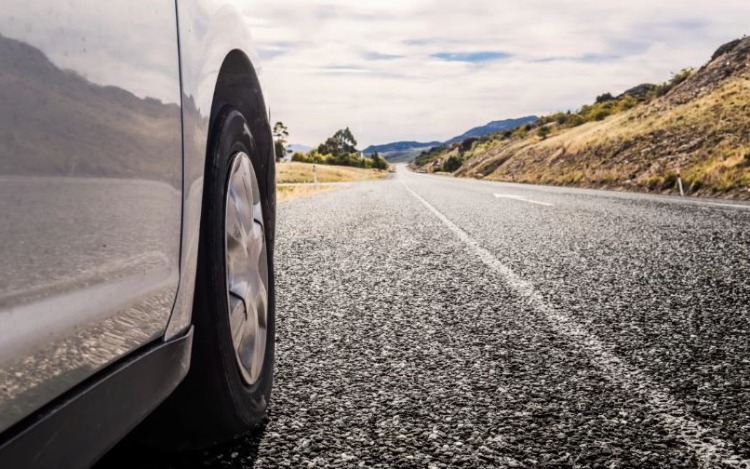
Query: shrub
[(603, 98), (670, 179), (654, 181), (452, 164), (576, 120), (378, 162), (601, 114), (561, 118), (466, 145), (347, 159)]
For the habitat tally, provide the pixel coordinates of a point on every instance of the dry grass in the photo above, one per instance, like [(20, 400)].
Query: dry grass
[(706, 140), (294, 179), (291, 192), (295, 173)]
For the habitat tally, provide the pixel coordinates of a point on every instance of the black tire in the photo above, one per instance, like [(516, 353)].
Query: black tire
[(214, 403)]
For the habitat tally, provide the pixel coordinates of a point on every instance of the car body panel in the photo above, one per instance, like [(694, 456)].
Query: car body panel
[(90, 190), (99, 411)]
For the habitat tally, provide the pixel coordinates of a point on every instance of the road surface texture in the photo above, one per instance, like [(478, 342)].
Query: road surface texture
[(427, 322)]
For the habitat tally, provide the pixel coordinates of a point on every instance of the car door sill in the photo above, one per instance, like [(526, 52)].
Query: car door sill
[(75, 430)]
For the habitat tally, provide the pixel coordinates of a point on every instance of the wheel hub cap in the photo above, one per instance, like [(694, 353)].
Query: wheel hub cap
[(246, 268)]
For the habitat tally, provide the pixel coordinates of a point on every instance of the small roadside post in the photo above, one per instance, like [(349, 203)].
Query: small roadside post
[(679, 183), (315, 177)]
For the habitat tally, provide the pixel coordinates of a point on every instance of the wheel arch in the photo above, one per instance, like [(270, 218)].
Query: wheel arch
[(237, 86)]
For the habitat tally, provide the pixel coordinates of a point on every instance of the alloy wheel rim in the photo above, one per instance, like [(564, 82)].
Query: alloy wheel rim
[(246, 268)]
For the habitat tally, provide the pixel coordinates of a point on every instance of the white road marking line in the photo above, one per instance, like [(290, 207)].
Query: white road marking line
[(709, 450), (716, 204), (522, 199)]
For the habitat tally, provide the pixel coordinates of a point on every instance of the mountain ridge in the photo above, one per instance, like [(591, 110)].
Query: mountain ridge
[(408, 150)]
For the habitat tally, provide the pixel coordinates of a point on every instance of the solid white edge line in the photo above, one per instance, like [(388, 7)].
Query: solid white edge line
[(521, 199), (709, 450)]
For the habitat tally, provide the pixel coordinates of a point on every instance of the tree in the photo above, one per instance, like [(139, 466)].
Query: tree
[(280, 135), (342, 143), (378, 162), (603, 98)]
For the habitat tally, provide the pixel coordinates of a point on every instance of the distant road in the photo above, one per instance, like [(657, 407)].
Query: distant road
[(437, 322)]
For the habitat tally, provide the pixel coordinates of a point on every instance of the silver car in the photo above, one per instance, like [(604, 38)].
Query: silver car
[(137, 214)]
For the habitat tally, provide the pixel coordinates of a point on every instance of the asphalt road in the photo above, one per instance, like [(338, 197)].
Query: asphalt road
[(434, 322)]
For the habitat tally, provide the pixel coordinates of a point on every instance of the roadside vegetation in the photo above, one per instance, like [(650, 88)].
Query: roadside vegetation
[(341, 150), (695, 127), (297, 173), (290, 192), (334, 161), (295, 180)]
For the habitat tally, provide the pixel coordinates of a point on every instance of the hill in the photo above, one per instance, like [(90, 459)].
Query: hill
[(397, 152), (492, 127), (398, 146), (695, 126)]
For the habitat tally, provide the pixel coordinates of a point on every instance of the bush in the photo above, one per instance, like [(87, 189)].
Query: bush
[(466, 145), (603, 98), (452, 164), (347, 159), (670, 179), (601, 114), (561, 118), (378, 162), (654, 182), (576, 120)]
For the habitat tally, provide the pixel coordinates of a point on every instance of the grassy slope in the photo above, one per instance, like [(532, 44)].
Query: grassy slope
[(293, 178), (295, 173), (701, 130), (291, 192)]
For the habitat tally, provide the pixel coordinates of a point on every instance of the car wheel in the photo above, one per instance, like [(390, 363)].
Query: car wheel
[(228, 387)]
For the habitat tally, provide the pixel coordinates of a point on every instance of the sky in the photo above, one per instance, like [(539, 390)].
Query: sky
[(430, 69)]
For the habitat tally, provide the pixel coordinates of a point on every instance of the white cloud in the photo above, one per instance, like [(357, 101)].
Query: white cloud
[(371, 65)]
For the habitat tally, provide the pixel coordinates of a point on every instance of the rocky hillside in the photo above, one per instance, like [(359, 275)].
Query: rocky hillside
[(696, 126)]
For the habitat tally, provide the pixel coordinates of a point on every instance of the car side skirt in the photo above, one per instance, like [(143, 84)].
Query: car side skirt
[(77, 429)]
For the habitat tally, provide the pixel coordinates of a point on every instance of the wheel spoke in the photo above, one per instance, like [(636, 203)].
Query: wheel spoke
[(237, 318)]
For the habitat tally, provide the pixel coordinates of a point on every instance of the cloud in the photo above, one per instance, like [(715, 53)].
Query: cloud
[(381, 56), (586, 58), (345, 69), (471, 57), (409, 70)]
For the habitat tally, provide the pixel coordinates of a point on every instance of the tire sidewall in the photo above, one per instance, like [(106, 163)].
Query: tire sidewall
[(249, 402)]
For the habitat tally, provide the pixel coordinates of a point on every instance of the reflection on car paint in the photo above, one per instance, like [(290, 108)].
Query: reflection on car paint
[(90, 190)]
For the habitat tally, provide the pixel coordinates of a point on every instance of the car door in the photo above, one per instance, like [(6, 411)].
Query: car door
[(90, 189)]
